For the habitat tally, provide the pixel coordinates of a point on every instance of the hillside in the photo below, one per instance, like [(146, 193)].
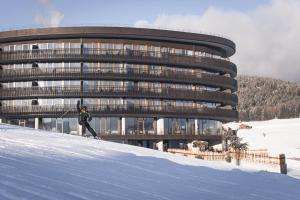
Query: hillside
[(278, 136), (265, 98), (40, 165)]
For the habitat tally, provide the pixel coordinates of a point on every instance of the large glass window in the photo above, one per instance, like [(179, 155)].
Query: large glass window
[(150, 126), (70, 126), (175, 125), (130, 125), (209, 127), (90, 86), (90, 101), (140, 125), (48, 124), (191, 126), (106, 125)]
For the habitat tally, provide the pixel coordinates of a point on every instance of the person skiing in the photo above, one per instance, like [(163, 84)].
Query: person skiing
[(83, 118)]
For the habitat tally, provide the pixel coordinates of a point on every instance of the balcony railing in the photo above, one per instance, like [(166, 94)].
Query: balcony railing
[(117, 55), (161, 137), (93, 73), (120, 110), (118, 92)]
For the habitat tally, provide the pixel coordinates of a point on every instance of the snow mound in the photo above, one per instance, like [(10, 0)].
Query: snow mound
[(40, 165)]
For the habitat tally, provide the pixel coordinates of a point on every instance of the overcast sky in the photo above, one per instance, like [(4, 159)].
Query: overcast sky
[(266, 32)]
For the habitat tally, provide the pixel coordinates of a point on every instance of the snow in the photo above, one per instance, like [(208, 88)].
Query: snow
[(40, 165), (279, 136)]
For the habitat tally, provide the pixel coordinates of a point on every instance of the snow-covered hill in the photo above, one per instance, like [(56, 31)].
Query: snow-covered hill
[(39, 165), (278, 136)]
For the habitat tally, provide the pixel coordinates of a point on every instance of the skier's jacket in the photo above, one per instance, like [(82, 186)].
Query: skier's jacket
[(83, 116)]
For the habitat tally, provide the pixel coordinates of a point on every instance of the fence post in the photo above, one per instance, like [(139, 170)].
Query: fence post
[(282, 163)]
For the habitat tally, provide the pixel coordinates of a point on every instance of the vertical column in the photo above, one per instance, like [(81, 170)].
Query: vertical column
[(196, 126), (160, 131), (123, 126), (120, 125), (160, 126), (36, 123), (187, 126)]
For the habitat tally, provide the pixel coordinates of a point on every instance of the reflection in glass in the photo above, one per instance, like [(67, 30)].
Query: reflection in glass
[(109, 125)]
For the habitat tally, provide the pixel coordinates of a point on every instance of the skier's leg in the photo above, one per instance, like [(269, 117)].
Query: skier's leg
[(92, 131), (83, 129)]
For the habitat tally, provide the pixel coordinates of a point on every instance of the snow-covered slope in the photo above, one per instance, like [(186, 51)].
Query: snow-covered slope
[(39, 165), (278, 136)]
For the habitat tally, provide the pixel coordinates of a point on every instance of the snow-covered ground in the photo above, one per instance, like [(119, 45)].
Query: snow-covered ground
[(278, 136), (39, 165)]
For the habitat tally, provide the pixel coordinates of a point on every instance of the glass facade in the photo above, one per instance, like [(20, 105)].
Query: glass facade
[(110, 85), (120, 68), (114, 48), (133, 125), (209, 127), (140, 125), (175, 126)]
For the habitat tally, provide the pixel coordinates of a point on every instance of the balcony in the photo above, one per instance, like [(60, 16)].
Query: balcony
[(119, 110), (118, 92), (117, 55), (92, 73)]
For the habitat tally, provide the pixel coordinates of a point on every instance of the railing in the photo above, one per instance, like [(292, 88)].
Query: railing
[(248, 156), (93, 73), (104, 92), (121, 110), (119, 55), (128, 136)]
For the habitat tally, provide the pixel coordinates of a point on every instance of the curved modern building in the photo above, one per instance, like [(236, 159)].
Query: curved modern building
[(142, 86)]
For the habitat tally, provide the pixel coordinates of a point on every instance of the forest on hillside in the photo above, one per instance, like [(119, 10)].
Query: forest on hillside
[(266, 98)]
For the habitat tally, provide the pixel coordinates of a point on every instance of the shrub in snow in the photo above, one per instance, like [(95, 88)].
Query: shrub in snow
[(236, 143), (201, 145)]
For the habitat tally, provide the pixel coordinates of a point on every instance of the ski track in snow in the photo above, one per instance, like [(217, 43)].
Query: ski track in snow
[(40, 165)]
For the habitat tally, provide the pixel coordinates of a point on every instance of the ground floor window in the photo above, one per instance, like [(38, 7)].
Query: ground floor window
[(209, 127), (107, 125), (175, 125), (132, 125), (135, 125)]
